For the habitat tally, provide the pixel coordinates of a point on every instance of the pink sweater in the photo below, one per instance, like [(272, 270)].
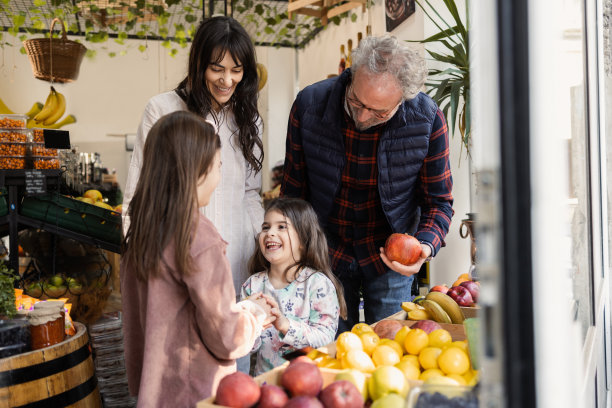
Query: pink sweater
[(183, 333)]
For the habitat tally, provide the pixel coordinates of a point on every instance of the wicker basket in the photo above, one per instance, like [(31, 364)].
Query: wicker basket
[(55, 59)]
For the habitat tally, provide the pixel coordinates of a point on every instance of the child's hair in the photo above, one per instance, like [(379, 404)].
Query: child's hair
[(313, 244), (180, 148)]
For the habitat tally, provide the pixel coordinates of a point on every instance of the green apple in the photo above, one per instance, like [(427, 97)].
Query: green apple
[(56, 280), (358, 379), (391, 400)]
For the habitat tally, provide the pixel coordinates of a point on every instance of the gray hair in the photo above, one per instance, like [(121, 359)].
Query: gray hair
[(386, 54)]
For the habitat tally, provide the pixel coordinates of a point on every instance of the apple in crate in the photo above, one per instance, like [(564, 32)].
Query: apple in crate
[(473, 288), (387, 329), (272, 396), (403, 248), (237, 390), (439, 288), (461, 295), (341, 394), (302, 379), (426, 325)]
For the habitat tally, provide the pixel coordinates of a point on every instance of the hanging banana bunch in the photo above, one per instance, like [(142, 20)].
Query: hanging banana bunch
[(48, 115)]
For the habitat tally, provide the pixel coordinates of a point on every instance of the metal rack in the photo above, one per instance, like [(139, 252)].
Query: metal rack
[(15, 182)]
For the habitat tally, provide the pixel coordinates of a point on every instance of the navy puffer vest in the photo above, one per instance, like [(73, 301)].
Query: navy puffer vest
[(402, 148)]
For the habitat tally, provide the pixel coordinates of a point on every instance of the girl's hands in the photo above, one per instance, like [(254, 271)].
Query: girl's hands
[(281, 323), (259, 299)]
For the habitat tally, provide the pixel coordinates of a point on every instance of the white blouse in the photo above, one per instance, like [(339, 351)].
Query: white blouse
[(235, 207)]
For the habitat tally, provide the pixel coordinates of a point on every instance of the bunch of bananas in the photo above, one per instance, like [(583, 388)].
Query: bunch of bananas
[(48, 115), (436, 306)]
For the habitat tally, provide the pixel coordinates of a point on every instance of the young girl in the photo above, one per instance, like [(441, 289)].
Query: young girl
[(182, 326), (291, 268)]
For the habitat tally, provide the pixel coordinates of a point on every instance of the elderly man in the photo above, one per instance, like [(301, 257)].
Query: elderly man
[(370, 152)]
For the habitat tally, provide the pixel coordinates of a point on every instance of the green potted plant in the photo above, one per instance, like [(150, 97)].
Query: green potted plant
[(451, 84), (7, 292)]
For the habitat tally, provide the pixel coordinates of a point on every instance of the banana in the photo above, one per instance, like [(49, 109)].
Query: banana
[(409, 306), (59, 110), (4, 110), (449, 305), (419, 314), (48, 108), (34, 110), (66, 121), (435, 311)]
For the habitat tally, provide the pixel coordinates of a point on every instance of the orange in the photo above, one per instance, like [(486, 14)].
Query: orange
[(394, 345), (416, 340), (453, 360), (369, 340), (440, 338), (459, 282), (464, 276), (400, 336), (361, 328), (385, 355), (428, 357), (347, 341), (411, 372), (359, 360), (412, 359), (429, 373)]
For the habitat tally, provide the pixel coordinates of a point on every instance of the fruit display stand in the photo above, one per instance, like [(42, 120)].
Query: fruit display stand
[(54, 213)]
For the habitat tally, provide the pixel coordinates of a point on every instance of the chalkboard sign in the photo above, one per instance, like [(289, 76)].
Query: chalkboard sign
[(35, 182)]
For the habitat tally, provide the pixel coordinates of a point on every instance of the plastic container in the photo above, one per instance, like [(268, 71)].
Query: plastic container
[(14, 135), (38, 135), (13, 149), (43, 162), (39, 149), (12, 162), (448, 396), (13, 121)]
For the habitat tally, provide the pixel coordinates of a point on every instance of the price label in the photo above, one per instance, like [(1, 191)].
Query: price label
[(35, 182)]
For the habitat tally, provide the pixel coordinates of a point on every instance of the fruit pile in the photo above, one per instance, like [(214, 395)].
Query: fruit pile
[(54, 287), (95, 197), (436, 306), (300, 385), (464, 290), (420, 352)]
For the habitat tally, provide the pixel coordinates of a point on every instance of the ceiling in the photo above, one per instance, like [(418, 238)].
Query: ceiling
[(265, 20)]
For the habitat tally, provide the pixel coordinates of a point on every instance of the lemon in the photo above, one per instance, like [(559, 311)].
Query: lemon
[(431, 372), (428, 357), (358, 360), (369, 340), (416, 340), (412, 359), (440, 338), (361, 328), (411, 372), (453, 360), (385, 380), (347, 341), (400, 336), (385, 355), (459, 378), (394, 345), (391, 400)]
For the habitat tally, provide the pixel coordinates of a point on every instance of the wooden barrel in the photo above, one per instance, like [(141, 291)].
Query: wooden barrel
[(61, 375)]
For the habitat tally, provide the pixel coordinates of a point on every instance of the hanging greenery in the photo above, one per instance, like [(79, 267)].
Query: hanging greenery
[(173, 22)]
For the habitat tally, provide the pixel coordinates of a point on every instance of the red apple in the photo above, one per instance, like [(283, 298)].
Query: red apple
[(302, 379), (272, 396), (439, 288), (403, 248), (461, 295), (303, 401), (341, 394), (473, 288), (426, 325), (237, 390), (387, 329)]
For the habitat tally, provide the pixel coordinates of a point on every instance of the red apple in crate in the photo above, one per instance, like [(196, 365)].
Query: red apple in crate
[(303, 359), (426, 325), (304, 401), (272, 396), (302, 379), (341, 394), (461, 295), (439, 288), (473, 288), (237, 390), (403, 248), (387, 329)]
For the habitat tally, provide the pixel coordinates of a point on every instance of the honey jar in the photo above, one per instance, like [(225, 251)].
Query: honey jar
[(46, 327)]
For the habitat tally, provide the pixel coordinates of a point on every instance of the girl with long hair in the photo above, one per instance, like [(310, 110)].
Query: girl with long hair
[(291, 268), (221, 86), (182, 326)]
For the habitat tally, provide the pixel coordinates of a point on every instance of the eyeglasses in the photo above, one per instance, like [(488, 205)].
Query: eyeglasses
[(356, 103)]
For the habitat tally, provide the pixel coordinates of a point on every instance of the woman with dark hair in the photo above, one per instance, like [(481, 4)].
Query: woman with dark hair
[(221, 86)]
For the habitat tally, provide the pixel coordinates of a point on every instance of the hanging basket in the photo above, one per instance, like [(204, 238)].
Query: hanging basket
[(55, 59)]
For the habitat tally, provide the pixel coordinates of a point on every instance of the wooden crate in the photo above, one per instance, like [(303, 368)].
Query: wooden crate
[(457, 331)]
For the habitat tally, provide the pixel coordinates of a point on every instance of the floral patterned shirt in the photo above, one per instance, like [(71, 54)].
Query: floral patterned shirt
[(309, 303)]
